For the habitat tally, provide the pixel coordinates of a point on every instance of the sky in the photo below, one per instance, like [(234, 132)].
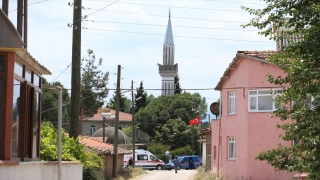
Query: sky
[(207, 35)]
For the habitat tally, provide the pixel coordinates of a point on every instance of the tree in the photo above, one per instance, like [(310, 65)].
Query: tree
[(149, 98), (177, 87), (93, 85), (141, 102), (50, 105), (125, 103), (300, 60), (175, 133), (160, 111), (159, 150)]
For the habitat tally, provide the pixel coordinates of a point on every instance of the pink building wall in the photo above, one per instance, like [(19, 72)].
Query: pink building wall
[(254, 131)]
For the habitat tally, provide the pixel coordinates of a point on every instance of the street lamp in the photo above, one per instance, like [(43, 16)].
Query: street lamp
[(133, 127)]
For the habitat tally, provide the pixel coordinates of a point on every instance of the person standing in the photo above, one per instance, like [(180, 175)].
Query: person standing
[(175, 164), (130, 162)]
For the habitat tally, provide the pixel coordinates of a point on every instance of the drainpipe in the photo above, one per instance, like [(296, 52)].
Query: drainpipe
[(59, 89), (219, 139)]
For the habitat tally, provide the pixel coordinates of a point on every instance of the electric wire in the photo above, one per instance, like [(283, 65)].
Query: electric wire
[(177, 17), (166, 25), (62, 72), (157, 5), (204, 0), (30, 4), (206, 38)]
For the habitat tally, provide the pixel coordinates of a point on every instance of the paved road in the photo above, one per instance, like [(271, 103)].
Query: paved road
[(167, 175)]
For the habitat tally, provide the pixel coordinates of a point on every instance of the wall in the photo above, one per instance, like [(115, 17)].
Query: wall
[(39, 170), (108, 165), (254, 131)]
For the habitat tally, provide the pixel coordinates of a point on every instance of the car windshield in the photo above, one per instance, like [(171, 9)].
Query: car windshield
[(179, 158)]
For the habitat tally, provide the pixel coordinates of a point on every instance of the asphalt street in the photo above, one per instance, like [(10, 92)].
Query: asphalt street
[(167, 175)]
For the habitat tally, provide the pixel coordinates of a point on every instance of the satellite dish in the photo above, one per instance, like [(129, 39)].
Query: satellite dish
[(214, 108)]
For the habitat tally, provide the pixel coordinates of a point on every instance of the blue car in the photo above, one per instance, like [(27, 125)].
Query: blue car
[(184, 163), (189, 162)]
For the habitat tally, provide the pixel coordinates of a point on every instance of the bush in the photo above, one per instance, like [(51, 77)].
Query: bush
[(159, 150), (72, 150), (203, 174), (130, 173), (186, 150)]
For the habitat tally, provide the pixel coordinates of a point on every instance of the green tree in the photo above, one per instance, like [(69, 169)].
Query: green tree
[(177, 87), (93, 85), (143, 101), (159, 150), (162, 110), (300, 61), (50, 105), (149, 98), (186, 150), (176, 133), (125, 103)]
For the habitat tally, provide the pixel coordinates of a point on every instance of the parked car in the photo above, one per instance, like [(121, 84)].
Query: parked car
[(145, 159), (184, 162)]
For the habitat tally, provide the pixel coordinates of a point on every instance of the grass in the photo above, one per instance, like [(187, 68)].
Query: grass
[(130, 173), (203, 174)]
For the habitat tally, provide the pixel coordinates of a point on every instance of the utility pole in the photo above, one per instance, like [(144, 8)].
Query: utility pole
[(115, 141), (133, 129), (76, 69)]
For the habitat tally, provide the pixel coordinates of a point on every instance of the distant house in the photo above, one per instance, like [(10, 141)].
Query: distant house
[(245, 127), (206, 147), (92, 124), (106, 151)]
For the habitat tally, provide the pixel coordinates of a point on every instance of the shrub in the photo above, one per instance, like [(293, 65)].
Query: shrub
[(203, 174), (72, 150), (159, 150), (130, 173), (186, 150)]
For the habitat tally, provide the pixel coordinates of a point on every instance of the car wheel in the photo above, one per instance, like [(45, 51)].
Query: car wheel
[(158, 167)]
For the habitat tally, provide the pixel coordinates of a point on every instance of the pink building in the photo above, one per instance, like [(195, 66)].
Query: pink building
[(245, 127)]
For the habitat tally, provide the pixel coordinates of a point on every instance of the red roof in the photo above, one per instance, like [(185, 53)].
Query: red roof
[(100, 147), (122, 116)]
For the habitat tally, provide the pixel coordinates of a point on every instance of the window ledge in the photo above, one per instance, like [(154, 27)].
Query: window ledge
[(231, 159), (266, 111), (232, 114)]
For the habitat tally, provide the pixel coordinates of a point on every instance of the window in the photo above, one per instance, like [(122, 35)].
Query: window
[(153, 158), (232, 148), (1, 105), (261, 100), (28, 75), (18, 69), (142, 157), (92, 129), (137, 133), (232, 102), (2, 64), (214, 152), (15, 120)]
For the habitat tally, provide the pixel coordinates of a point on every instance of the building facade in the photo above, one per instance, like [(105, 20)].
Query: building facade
[(245, 127), (168, 70)]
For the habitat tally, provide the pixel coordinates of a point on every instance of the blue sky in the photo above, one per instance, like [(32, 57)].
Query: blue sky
[(207, 35)]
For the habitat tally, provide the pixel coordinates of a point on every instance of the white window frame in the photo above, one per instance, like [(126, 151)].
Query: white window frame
[(232, 148), (92, 129), (255, 98), (232, 103)]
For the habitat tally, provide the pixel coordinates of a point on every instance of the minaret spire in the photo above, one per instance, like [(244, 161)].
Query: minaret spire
[(168, 70)]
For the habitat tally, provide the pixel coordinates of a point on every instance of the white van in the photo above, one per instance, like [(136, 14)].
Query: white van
[(145, 159)]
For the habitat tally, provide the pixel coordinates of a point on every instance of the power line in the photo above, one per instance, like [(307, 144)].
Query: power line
[(62, 72), (31, 4), (207, 9), (171, 16), (204, 0), (207, 38), (166, 25)]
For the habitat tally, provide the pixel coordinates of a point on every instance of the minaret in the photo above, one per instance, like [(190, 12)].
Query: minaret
[(168, 70)]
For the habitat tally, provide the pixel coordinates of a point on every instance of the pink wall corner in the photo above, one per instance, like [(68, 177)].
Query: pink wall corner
[(254, 131)]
